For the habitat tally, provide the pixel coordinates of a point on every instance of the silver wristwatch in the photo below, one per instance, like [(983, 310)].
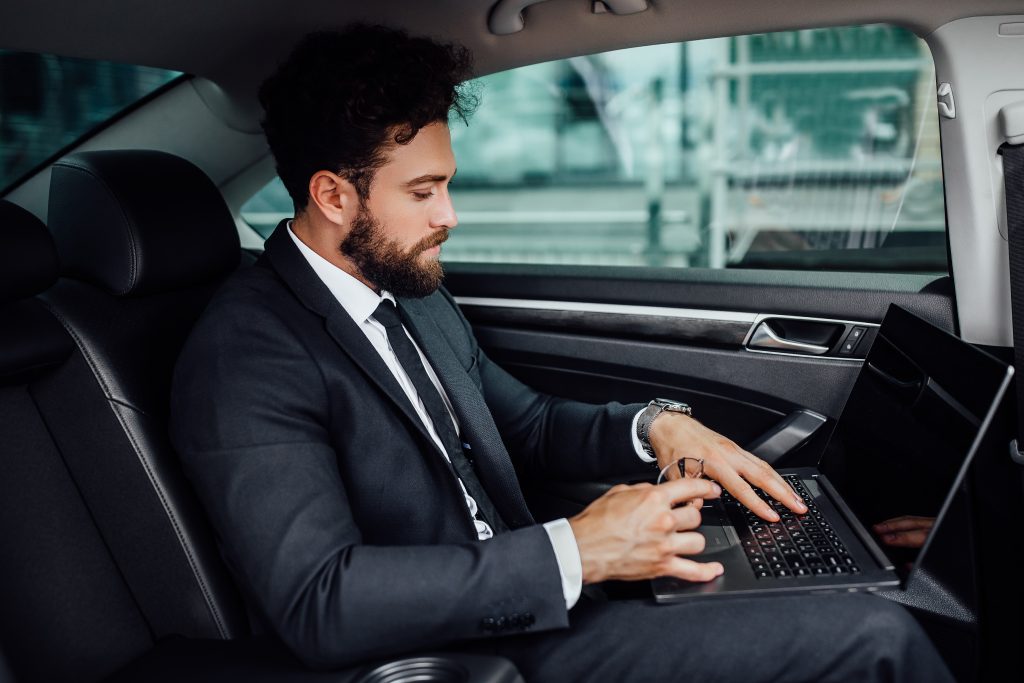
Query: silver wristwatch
[(653, 410)]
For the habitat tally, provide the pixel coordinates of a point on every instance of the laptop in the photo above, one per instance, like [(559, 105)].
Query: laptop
[(900, 450)]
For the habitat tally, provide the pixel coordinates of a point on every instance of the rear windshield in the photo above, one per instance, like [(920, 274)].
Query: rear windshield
[(47, 103)]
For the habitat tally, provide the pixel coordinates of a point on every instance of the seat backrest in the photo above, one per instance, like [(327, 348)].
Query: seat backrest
[(144, 239), (66, 614)]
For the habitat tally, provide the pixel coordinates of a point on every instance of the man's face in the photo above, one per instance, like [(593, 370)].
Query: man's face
[(395, 240)]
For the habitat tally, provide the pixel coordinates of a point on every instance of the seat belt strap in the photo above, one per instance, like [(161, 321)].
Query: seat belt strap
[(1013, 180)]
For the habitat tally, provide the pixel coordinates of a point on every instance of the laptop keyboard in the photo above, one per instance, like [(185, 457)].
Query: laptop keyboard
[(794, 547)]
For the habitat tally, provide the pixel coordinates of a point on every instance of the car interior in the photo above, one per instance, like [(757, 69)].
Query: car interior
[(113, 241)]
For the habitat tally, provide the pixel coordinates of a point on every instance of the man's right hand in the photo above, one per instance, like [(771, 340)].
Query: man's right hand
[(636, 532)]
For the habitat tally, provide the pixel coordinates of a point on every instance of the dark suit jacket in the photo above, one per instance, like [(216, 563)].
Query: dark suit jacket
[(343, 524)]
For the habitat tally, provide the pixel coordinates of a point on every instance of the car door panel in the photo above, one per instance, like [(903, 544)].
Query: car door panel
[(603, 334)]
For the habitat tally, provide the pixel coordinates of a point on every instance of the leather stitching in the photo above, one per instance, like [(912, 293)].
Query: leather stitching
[(154, 482)]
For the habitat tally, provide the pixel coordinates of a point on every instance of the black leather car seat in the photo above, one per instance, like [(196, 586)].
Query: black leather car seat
[(108, 560), (144, 239), (66, 611)]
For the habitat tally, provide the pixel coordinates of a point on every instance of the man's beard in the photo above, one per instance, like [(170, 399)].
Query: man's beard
[(386, 265)]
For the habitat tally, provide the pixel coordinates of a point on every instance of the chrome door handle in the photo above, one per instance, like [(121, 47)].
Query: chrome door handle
[(764, 337)]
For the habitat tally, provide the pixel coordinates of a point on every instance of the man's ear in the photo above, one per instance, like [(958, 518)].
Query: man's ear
[(335, 197)]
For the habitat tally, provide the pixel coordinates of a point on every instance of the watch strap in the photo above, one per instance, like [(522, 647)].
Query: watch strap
[(650, 413)]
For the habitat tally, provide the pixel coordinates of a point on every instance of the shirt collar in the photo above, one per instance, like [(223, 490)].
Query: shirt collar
[(358, 300)]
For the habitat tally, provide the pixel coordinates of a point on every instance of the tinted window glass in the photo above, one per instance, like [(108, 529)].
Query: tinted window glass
[(48, 102), (800, 149)]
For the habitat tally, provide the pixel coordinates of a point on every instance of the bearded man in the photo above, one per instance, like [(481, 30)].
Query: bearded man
[(357, 452)]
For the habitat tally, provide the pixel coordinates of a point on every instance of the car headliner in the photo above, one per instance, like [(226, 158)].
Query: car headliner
[(234, 43)]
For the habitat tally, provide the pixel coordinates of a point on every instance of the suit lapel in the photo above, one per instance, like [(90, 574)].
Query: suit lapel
[(478, 429), (293, 268)]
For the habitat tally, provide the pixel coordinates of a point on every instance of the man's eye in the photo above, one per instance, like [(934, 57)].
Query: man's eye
[(422, 195)]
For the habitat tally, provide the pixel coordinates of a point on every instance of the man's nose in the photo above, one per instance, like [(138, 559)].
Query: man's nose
[(444, 216)]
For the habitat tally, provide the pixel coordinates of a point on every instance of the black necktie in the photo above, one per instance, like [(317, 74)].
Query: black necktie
[(387, 315)]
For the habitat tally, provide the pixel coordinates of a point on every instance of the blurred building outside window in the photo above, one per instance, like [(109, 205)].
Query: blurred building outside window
[(800, 149)]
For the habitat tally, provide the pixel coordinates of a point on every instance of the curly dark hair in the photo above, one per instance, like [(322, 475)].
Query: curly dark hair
[(341, 100)]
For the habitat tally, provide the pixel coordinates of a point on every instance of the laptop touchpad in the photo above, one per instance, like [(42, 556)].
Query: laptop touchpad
[(715, 526)]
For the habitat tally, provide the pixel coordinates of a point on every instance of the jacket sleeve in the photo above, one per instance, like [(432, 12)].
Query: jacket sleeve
[(554, 437), (249, 419)]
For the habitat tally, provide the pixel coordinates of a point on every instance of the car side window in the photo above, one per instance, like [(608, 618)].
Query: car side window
[(812, 149), (47, 103)]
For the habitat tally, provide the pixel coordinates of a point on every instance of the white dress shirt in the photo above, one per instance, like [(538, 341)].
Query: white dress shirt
[(359, 301)]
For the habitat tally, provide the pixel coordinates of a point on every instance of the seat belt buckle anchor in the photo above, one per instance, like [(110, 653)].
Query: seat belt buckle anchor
[(1015, 453)]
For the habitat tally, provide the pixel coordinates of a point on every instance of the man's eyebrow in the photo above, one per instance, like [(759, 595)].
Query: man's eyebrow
[(428, 178)]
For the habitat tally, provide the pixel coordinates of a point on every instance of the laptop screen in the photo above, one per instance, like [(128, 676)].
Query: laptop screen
[(907, 432)]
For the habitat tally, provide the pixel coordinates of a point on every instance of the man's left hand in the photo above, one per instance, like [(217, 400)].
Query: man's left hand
[(674, 436)]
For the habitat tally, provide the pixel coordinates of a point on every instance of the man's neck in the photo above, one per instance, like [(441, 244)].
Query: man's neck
[(324, 240)]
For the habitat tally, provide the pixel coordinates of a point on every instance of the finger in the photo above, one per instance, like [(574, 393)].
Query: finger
[(764, 476), (904, 523), (741, 490), (688, 570), (684, 490), (906, 539), (688, 543), (687, 517)]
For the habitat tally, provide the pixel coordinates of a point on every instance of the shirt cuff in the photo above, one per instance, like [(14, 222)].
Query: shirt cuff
[(637, 446), (567, 555)]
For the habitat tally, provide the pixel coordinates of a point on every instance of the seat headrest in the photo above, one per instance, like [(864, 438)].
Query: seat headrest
[(28, 257), (139, 222)]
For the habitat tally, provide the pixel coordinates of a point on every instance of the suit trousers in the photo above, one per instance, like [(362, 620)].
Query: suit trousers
[(805, 638)]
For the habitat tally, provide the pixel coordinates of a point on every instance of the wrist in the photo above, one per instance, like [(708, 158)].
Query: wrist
[(590, 569), (653, 415), (663, 435)]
